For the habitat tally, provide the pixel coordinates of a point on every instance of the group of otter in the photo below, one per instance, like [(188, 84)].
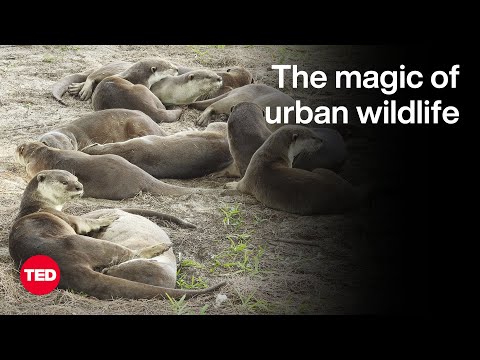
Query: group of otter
[(120, 150)]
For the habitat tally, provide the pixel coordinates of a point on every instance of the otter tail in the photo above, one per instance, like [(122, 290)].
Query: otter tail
[(202, 105), (160, 216), (61, 86), (106, 287)]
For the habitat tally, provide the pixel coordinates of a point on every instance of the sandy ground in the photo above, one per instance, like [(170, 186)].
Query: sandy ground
[(266, 276)]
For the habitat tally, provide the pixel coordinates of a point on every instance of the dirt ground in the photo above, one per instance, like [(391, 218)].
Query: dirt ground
[(237, 239)]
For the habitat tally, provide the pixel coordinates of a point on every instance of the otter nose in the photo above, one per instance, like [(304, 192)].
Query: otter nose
[(78, 186)]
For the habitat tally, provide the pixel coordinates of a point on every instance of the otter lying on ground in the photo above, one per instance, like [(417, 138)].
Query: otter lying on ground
[(41, 228), (188, 154), (83, 84), (218, 109), (105, 126), (131, 90), (103, 176), (271, 179), (247, 131)]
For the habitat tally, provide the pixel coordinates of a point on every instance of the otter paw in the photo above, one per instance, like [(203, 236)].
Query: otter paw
[(85, 94), (202, 120), (154, 250), (106, 221), (74, 88)]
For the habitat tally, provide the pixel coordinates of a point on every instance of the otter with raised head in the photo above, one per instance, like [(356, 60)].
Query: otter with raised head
[(103, 176), (186, 88), (218, 109), (104, 126), (188, 154), (131, 90), (41, 228), (247, 131), (271, 179)]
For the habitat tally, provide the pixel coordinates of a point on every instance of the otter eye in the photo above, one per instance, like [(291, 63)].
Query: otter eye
[(154, 68), (21, 149), (65, 182), (228, 70), (190, 77)]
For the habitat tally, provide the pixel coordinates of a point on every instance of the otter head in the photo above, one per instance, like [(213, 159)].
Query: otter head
[(240, 75), (201, 82), (25, 150), (56, 187), (300, 139), (158, 69), (58, 140)]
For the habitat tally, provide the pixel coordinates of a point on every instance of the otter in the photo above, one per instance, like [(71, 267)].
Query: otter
[(186, 88), (84, 83), (271, 179), (232, 78), (42, 228), (188, 154), (104, 126), (131, 90), (217, 109), (103, 176), (247, 131)]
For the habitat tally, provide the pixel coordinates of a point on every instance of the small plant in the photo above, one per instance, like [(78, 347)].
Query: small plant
[(250, 303), (240, 256), (203, 310), (178, 306), (193, 283), (49, 59), (197, 51), (190, 263), (232, 216)]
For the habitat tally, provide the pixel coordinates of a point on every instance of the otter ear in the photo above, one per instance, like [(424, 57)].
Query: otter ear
[(153, 68), (41, 177), (44, 143), (294, 137), (191, 76)]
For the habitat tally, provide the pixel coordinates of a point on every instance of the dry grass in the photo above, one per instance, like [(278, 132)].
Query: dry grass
[(289, 279)]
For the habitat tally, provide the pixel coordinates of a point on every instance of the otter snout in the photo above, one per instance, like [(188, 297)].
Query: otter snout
[(76, 186)]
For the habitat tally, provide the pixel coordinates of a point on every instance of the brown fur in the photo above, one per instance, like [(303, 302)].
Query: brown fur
[(218, 109), (272, 181), (131, 90), (42, 229), (232, 78), (247, 131), (186, 88), (103, 176), (105, 126), (183, 155)]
